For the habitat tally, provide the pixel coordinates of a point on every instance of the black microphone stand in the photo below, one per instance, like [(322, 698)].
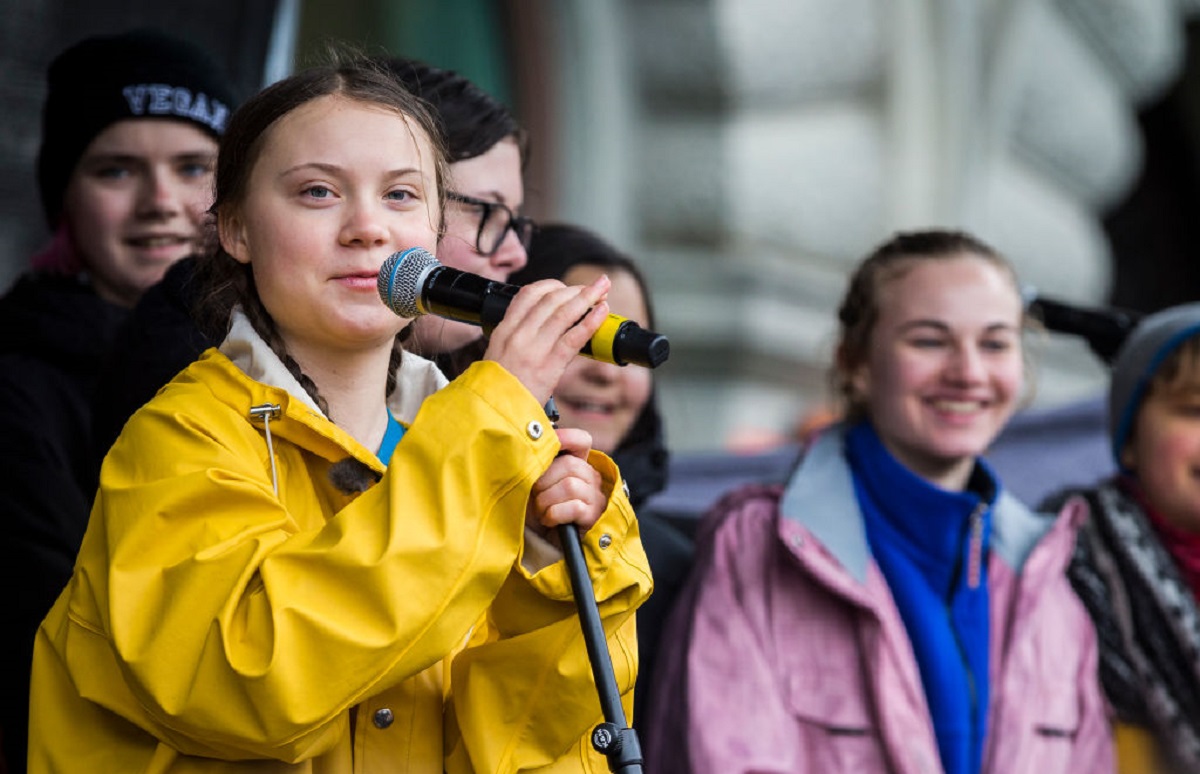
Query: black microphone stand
[(613, 738), (1103, 328)]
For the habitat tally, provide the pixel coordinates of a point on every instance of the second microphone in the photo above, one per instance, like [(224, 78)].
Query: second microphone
[(412, 283)]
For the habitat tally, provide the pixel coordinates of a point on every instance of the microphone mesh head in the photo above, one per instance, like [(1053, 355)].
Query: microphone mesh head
[(402, 278)]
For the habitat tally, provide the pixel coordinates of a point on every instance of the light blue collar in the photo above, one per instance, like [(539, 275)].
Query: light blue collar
[(820, 497)]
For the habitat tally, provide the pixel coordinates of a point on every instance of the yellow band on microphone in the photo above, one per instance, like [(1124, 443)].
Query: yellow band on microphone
[(603, 339)]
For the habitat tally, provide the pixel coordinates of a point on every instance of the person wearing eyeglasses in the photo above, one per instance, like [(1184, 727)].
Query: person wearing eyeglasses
[(482, 234), (495, 220)]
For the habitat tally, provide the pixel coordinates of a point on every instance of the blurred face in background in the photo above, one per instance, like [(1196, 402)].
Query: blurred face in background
[(944, 368), (493, 178), (1164, 450), (603, 398), (137, 202)]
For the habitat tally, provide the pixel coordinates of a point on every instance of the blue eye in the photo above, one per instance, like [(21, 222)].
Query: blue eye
[(317, 192), (113, 172), (399, 195), (996, 346), (195, 169)]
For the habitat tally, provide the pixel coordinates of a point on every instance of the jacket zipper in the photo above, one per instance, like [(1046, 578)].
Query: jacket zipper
[(975, 549), (974, 578)]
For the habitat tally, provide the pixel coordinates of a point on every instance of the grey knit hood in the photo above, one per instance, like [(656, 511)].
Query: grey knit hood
[(1151, 342)]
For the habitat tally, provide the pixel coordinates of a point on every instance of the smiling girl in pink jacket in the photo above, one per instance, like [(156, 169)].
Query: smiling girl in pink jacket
[(891, 608)]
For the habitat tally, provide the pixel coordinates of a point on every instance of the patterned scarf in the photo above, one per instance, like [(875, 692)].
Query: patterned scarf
[(1147, 620), (1183, 546)]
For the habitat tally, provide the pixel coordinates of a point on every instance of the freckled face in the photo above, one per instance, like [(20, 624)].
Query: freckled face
[(340, 185), (944, 369)]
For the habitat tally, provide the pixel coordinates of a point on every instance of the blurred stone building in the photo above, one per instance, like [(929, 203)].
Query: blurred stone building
[(779, 140)]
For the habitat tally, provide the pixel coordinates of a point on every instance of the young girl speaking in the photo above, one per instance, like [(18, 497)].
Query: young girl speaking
[(302, 551)]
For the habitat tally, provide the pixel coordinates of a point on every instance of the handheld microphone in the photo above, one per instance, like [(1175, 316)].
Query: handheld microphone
[(1104, 329), (413, 283)]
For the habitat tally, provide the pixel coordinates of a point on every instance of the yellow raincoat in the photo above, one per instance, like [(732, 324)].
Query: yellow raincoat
[(232, 610)]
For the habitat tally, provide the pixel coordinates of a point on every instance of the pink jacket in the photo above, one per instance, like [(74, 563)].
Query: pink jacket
[(799, 661)]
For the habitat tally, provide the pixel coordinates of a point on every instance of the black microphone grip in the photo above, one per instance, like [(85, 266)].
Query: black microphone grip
[(1103, 328), (467, 297), (413, 282)]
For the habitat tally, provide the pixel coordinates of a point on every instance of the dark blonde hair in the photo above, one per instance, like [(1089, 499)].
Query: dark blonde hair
[(859, 310), (227, 283)]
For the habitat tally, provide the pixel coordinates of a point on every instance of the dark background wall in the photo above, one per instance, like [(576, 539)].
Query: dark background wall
[(504, 46), (1155, 230)]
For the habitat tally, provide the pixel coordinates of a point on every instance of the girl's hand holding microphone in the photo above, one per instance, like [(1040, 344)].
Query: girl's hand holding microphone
[(543, 330)]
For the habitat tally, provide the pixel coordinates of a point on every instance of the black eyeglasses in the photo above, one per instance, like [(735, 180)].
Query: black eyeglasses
[(495, 220)]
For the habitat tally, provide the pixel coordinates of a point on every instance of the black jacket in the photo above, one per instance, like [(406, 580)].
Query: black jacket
[(54, 333), (642, 457), (159, 340)]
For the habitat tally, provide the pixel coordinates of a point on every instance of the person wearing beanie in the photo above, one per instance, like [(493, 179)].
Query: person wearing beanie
[(130, 126), (1137, 561)]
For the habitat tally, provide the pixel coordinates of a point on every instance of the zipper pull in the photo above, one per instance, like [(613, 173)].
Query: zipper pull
[(975, 549), (265, 413)]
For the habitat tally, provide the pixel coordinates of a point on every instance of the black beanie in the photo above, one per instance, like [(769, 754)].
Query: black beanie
[(102, 80)]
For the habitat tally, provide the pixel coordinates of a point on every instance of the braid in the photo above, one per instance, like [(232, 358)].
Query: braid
[(308, 384), (394, 365), (264, 326)]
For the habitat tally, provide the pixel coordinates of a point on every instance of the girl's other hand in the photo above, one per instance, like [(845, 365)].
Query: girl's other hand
[(570, 490), (544, 328)]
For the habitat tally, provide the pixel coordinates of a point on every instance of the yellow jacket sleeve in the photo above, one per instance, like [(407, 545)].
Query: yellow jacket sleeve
[(233, 622), (1137, 752), (532, 657)]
